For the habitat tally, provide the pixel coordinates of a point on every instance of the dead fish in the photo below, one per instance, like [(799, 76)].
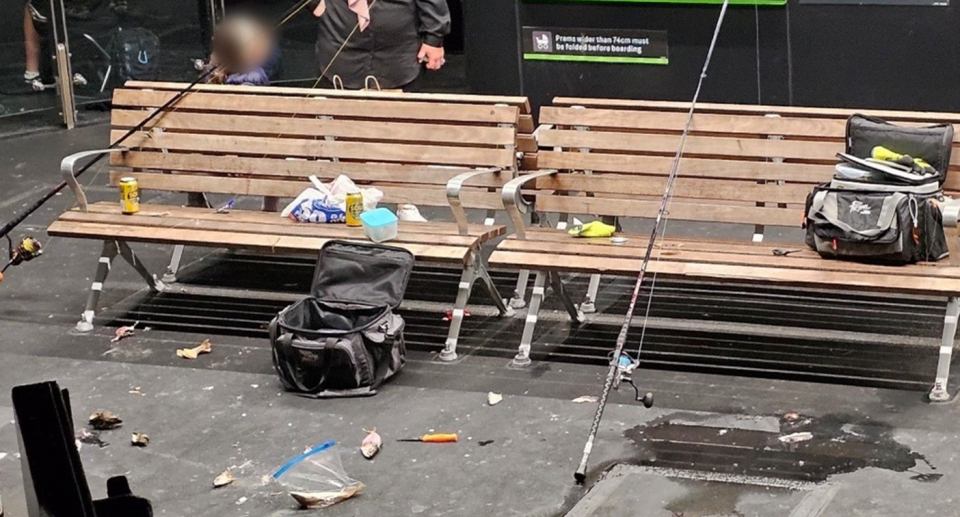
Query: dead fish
[(104, 421), (124, 332), (139, 440), (309, 500), (224, 479), (371, 444), (796, 437), (193, 353)]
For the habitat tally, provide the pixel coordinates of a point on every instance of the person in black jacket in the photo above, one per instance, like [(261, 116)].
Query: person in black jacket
[(403, 35)]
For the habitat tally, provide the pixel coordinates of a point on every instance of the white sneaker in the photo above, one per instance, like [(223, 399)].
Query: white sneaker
[(79, 80), (29, 77), (410, 213)]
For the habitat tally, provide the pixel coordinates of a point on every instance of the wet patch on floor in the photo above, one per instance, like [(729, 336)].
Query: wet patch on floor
[(698, 465), (792, 447)]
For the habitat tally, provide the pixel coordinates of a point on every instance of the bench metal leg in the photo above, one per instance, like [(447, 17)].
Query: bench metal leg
[(155, 284), (474, 270), (491, 218), (110, 252), (170, 277), (198, 200), (939, 392), (519, 294), (522, 358), (589, 305), (557, 284), (484, 275), (112, 249)]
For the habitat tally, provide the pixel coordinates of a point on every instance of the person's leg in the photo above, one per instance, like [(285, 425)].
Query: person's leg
[(32, 45)]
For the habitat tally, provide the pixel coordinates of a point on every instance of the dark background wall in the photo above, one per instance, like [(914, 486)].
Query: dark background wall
[(813, 55)]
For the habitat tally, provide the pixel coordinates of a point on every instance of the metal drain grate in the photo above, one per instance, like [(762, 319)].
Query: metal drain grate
[(685, 336)]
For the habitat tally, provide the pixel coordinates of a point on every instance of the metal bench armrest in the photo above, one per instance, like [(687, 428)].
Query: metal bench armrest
[(951, 228), (69, 167), (513, 200), (455, 186)]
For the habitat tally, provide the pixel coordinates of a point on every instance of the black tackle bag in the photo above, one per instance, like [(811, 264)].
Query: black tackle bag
[(932, 143), (877, 211), (345, 340)]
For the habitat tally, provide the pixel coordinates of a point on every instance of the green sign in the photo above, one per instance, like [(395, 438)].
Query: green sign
[(618, 46)]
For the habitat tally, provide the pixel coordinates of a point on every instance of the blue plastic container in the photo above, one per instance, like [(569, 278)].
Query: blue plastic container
[(380, 225)]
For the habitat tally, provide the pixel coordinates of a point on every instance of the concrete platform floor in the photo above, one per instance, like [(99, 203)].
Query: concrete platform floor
[(709, 448)]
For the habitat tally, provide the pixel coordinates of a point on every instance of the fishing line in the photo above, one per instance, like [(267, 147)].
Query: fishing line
[(615, 372)]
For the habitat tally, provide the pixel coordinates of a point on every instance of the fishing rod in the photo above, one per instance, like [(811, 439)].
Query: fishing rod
[(622, 365), (7, 228)]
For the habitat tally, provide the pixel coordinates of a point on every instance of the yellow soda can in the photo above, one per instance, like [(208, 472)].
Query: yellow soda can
[(129, 196), (354, 208)]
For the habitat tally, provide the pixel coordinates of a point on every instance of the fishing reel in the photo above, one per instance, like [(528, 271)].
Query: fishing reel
[(27, 250), (625, 367)]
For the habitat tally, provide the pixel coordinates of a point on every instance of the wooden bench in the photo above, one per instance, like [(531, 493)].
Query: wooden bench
[(526, 144), (747, 166), (243, 141)]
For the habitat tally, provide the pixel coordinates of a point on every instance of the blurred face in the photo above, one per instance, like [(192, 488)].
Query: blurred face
[(241, 43)]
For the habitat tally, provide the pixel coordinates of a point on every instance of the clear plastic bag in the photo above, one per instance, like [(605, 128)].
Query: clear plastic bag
[(343, 185), (316, 478)]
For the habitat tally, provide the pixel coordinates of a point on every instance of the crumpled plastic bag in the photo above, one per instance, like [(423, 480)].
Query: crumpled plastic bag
[(328, 203), (316, 479), (343, 185), (314, 206)]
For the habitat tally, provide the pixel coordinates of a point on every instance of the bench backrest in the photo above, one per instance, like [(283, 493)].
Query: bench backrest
[(526, 142), (268, 141), (741, 164)]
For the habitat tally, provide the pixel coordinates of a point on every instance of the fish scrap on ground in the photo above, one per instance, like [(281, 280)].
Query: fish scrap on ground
[(104, 421), (192, 353)]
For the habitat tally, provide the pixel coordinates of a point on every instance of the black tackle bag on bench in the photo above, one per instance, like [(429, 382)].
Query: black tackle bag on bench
[(345, 340), (883, 212)]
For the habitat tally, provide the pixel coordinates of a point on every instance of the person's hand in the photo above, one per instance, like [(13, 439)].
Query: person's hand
[(432, 56)]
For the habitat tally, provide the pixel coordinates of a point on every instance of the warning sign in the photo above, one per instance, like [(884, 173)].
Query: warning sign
[(595, 45)]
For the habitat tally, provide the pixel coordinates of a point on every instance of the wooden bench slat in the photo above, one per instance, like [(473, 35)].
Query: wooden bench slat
[(639, 242), (520, 102), (695, 145), (273, 127), (702, 122), (346, 108), (801, 261), (689, 167), (692, 188), (928, 117), (393, 194), (750, 274), (298, 147), (482, 232), (678, 210), (302, 169), (809, 174), (234, 240), (281, 226), (527, 144), (525, 124)]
